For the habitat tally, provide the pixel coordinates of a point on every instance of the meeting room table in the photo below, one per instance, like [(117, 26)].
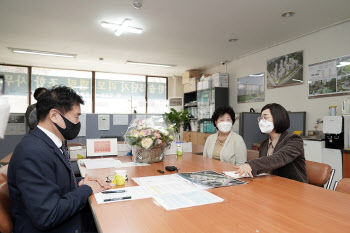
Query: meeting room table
[(266, 204)]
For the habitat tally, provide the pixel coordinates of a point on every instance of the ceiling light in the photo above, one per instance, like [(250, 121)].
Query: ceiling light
[(121, 28), (297, 80), (148, 64), (288, 14), (45, 53)]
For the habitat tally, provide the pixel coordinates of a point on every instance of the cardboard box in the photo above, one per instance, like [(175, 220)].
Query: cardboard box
[(77, 152), (189, 87), (190, 74), (206, 84), (220, 80)]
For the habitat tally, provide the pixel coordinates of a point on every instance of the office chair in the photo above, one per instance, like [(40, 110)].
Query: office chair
[(343, 186), (319, 173), (6, 225)]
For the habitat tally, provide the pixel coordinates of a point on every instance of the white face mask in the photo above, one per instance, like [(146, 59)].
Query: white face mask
[(4, 113), (266, 126), (225, 126)]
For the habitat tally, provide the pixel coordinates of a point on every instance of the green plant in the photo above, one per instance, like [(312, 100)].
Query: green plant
[(179, 118)]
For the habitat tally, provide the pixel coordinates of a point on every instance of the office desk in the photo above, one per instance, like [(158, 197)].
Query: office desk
[(266, 204), (6, 159)]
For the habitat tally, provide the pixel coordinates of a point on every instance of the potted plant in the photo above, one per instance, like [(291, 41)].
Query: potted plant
[(179, 118)]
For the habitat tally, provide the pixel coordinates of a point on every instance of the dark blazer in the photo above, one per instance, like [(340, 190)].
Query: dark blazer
[(43, 196), (287, 160)]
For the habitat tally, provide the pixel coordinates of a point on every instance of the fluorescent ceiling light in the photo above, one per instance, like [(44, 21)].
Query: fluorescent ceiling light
[(121, 28), (45, 53), (256, 75), (148, 64)]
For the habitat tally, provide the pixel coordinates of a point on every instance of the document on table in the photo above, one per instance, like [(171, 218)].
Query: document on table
[(145, 191), (102, 163), (155, 180), (187, 199), (232, 174), (134, 164)]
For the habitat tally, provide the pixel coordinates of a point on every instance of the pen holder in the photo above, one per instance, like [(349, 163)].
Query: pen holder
[(118, 180)]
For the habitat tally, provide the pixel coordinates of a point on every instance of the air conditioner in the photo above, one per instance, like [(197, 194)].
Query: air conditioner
[(176, 103)]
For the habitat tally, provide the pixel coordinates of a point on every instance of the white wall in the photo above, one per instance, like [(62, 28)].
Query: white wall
[(319, 46), (175, 87)]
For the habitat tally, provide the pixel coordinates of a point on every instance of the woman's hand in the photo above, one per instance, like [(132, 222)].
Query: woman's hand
[(244, 170)]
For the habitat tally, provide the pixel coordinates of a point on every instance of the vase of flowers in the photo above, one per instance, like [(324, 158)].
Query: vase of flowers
[(148, 140)]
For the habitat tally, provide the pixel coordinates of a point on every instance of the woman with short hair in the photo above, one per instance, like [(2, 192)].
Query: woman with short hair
[(282, 154), (225, 145)]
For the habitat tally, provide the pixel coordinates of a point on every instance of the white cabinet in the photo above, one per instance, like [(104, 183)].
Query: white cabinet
[(313, 150)]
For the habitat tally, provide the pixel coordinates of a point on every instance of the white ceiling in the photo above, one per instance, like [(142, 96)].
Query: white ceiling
[(191, 34)]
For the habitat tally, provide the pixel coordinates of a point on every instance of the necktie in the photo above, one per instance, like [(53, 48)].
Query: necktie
[(65, 153)]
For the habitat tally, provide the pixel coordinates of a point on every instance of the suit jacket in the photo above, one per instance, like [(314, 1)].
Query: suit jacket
[(287, 160), (43, 197)]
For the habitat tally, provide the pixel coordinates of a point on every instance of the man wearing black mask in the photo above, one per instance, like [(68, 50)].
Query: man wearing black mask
[(45, 196)]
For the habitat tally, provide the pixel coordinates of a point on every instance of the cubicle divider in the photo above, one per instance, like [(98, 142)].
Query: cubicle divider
[(8, 144)]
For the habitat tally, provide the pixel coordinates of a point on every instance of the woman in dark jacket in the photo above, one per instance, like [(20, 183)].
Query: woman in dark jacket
[(282, 154)]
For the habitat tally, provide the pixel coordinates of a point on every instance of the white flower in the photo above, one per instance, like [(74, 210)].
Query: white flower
[(166, 132), (146, 142)]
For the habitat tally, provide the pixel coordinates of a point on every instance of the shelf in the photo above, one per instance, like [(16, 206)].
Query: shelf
[(190, 105)]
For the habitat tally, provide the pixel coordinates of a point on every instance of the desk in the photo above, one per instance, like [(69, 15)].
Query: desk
[(6, 160), (266, 204)]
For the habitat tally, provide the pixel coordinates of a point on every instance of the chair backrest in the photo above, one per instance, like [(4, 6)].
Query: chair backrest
[(318, 173), (5, 214), (252, 154), (343, 186)]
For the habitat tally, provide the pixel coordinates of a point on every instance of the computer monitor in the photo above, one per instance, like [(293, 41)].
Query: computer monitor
[(101, 147)]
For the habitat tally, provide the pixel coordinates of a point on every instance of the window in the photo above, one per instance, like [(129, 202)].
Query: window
[(156, 95), (80, 81), (120, 93), (16, 87)]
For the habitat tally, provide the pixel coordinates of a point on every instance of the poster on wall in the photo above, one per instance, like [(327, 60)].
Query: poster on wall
[(285, 70), (329, 77), (251, 88)]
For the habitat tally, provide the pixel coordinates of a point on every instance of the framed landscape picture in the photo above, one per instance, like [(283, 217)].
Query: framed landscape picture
[(285, 70), (251, 88)]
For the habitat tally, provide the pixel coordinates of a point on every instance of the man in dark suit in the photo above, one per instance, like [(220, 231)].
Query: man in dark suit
[(44, 193)]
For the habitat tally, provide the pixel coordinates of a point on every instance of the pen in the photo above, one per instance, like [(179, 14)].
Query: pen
[(114, 191), (117, 199)]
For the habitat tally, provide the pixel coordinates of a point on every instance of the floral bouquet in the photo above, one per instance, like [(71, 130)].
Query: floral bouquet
[(149, 138)]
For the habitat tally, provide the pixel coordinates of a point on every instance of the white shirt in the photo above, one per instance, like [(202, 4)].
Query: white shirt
[(52, 136)]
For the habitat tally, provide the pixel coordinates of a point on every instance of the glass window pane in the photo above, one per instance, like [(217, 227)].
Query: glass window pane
[(156, 95), (16, 87), (120, 93), (80, 81)]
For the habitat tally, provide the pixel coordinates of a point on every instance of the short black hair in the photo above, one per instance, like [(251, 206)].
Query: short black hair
[(61, 98), (280, 116), (39, 91), (222, 110)]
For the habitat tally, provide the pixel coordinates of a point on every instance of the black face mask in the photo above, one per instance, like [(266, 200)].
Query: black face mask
[(71, 131)]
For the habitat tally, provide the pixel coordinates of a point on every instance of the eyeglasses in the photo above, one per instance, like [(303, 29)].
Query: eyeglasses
[(263, 119)]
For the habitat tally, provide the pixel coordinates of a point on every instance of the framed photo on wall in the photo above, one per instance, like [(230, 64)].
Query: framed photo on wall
[(330, 77), (251, 88), (285, 70)]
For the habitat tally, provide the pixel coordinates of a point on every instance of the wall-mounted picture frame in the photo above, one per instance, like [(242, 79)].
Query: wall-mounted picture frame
[(286, 70), (330, 77), (251, 88)]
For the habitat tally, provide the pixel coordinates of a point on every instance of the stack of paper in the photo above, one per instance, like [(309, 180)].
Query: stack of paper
[(102, 163)]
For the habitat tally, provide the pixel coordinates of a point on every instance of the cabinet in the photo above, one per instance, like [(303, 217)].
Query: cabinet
[(202, 137), (313, 150), (346, 164), (195, 137)]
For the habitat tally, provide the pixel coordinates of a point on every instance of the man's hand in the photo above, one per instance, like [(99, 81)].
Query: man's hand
[(96, 187), (88, 180), (244, 170)]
